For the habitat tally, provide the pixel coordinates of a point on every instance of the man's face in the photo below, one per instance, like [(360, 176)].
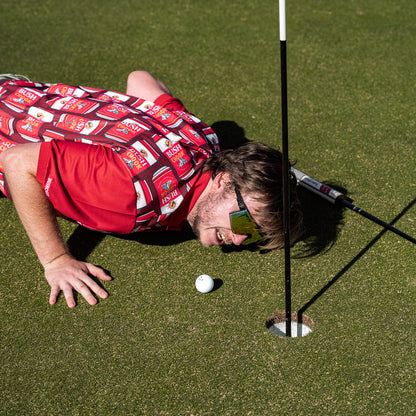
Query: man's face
[(210, 219)]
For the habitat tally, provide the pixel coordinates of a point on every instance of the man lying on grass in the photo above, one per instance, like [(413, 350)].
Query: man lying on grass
[(123, 163)]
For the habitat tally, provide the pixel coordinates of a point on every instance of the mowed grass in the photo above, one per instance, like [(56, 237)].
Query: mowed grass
[(158, 347)]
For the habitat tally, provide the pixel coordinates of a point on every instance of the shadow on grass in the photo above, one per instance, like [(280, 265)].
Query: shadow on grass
[(159, 238), (353, 261), (83, 241), (322, 221), (230, 134)]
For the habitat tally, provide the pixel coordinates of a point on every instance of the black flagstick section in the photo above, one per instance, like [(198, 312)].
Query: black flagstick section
[(285, 167)]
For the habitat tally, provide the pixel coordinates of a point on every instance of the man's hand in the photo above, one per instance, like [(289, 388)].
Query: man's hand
[(62, 271), (67, 274)]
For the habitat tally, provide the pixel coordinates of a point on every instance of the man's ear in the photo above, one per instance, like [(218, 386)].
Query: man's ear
[(221, 181)]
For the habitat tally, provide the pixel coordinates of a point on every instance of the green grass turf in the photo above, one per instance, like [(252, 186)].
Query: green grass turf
[(158, 347)]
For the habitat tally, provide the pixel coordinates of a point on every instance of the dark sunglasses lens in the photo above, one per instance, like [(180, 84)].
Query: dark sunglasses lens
[(243, 224)]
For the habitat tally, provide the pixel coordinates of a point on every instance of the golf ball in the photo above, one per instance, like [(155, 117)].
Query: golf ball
[(204, 283)]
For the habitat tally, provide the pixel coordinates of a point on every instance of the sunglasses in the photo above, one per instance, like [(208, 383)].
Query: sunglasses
[(242, 222)]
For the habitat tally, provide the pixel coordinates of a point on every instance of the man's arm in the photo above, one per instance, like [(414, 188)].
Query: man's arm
[(142, 84), (62, 271)]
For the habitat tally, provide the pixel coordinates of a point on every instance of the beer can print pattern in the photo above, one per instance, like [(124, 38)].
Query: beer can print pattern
[(81, 125), (139, 157), (6, 123), (22, 98), (125, 130), (177, 156), (73, 105), (66, 90), (143, 194), (166, 186)]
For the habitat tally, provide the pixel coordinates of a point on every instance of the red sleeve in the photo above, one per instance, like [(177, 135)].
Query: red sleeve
[(88, 184), (170, 103)]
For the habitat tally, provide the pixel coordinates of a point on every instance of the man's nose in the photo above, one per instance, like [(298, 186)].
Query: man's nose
[(238, 239)]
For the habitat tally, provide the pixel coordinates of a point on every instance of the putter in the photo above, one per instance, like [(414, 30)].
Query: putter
[(339, 198)]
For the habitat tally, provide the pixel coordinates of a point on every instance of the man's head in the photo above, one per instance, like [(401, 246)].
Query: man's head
[(254, 171)]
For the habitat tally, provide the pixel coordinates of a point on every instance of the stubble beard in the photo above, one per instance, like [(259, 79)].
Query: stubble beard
[(203, 213)]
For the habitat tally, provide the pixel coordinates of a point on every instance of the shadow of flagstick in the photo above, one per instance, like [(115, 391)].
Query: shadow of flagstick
[(352, 262)]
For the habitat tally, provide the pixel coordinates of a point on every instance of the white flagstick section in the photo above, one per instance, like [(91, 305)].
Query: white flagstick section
[(282, 19)]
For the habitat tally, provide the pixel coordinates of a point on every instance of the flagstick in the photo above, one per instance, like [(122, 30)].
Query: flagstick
[(285, 159)]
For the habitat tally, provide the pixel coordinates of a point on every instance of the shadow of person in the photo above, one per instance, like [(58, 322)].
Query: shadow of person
[(160, 238), (322, 221), (230, 134), (83, 241)]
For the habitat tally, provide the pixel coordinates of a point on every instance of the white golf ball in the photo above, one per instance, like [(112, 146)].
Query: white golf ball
[(204, 283)]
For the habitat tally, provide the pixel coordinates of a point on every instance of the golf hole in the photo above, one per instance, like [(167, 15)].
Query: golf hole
[(301, 325)]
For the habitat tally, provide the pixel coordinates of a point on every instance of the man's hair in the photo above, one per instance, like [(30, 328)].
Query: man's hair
[(257, 171)]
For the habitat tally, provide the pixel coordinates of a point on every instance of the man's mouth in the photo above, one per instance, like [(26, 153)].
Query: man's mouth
[(221, 238)]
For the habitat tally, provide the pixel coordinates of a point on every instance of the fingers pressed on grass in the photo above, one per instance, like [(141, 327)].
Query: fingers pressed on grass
[(98, 272), (54, 295), (87, 286), (69, 296)]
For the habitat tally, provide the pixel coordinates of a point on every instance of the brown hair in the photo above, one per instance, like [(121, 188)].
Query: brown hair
[(257, 170)]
